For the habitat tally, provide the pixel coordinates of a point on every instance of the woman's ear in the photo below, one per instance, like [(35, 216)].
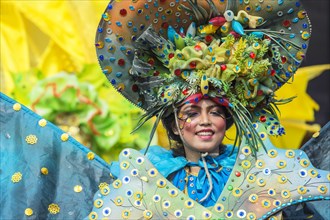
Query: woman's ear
[(174, 128)]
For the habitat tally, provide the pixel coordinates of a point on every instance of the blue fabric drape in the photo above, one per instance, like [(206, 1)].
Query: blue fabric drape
[(66, 162)]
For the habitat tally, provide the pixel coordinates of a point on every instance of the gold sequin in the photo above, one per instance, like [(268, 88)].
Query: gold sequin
[(246, 150), (219, 207), (282, 179), (261, 182), (124, 165), (316, 134), (90, 156), (246, 164), (312, 173), (53, 209), (138, 195), (300, 55), (207, 215), (173, 192), (147, 214), (260, 164), (251, 216), (98, 203), (117, 183), (42, 122), (28, 212), (152, 172), (289, 154), (290, 68), (31, 139), (189, 203), (305, 35), (229, 214), (277, 203), (272, 153), (125, 214), (64, 137), (107, 69), (265, 203), (301, 190), (301, 14), (101, 185), (44, 170), (92, 215), (304, 163), (263, 135), (105, 190), (253, 198), (77, 188), (99, 44), (118, 201), (16, 177), (322, 189), (271, 192), (251, 178), (161, 183), (281, 164), (17, 106), (237, 192), (285, 193)]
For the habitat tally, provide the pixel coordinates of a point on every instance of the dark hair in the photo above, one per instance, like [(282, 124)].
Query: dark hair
[(175, 140)]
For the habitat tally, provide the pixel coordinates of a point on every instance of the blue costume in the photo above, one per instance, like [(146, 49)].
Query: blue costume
[(196, 186), (229, 53)]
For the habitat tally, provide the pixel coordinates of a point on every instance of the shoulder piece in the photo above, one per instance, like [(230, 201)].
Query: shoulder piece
[(257, 188)]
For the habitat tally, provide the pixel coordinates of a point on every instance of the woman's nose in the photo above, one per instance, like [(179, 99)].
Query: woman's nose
[(204, 119)]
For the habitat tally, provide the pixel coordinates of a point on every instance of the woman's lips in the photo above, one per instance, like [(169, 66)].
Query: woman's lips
[(205, 134)]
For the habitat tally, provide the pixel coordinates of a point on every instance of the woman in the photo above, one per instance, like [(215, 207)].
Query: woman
[(206, 64), (193, 64), (199, 164)]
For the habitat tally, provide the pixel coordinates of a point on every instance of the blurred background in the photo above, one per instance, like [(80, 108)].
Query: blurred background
[(49, 64), (319, 53)]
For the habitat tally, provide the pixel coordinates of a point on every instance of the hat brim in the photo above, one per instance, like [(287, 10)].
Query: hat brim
[(124, 21)]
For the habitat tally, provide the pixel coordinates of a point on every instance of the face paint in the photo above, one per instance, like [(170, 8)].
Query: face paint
[(202, 126)]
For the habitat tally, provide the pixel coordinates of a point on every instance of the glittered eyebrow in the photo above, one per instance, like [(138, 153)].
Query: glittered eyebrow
[(192, 106)]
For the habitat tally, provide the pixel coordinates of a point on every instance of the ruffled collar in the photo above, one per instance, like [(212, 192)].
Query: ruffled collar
[(166, 163)]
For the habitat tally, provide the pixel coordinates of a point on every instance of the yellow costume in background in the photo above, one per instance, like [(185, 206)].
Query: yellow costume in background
[(42, 38)]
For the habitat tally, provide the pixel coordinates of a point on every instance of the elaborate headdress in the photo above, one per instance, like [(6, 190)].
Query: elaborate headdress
[(158, 53)]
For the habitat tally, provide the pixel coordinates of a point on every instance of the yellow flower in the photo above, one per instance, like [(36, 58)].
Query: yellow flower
[(31, 139), (16, 177), (53, 209)]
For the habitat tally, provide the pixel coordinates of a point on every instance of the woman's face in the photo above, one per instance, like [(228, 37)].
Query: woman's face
[(202, 125)]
